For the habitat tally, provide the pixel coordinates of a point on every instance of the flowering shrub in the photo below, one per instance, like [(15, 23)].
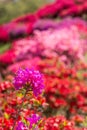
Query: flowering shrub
[(60, 122), (12, 31), (16, 107), (44, 24), (65, 93), (66, 41), (66, 88), (63, 8), (56, 49), (23, 25)]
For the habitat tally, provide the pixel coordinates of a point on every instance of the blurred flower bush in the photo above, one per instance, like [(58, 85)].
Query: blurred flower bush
[(67, 39)]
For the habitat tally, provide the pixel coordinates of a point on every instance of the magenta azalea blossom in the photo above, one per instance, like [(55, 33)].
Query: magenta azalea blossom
[(33, 120), (21, 126), (33, 78)]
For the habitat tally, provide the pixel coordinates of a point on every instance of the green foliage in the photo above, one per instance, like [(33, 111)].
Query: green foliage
[(4, 47), (10, 10)]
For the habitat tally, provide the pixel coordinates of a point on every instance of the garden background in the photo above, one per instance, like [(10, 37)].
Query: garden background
[(43, 65)]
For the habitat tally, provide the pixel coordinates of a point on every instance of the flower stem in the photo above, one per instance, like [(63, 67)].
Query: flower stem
[(19, 110)]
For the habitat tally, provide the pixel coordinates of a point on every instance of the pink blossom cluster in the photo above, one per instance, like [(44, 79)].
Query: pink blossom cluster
[(24, 63), (67, 42)]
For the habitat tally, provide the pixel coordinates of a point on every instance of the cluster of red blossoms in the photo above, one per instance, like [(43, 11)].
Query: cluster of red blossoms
[(64, 8), (65, 88), (61, 123), (10, 102), (65, 94)]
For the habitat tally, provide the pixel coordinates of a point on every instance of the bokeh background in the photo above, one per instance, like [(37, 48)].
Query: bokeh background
[(10, 9), (49, 36)]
